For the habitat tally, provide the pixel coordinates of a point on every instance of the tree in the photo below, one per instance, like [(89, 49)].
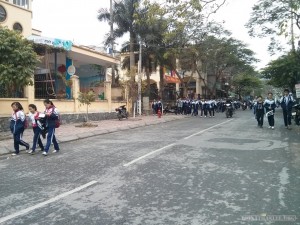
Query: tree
[(275, 17), (124, 17), (283, 72), (18, 62), (86, 99), (243, 84)]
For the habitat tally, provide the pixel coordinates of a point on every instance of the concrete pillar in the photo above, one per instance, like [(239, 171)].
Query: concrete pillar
[(177, 87), (107, 94), (29, 93), (75, 91), (69, 62), (198, 86)]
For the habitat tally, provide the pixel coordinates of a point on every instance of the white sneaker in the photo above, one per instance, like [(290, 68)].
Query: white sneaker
[(54, 151), (31, 152), (14, 154), (272, 128), (44, 153)]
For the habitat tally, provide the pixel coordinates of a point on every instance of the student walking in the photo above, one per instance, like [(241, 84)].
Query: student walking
[(259, 112), (287, 102), (36, 127), (52, 116), (270, 106), (17, 126)]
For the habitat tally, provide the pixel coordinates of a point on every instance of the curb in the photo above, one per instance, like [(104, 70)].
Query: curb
[(7, 149)]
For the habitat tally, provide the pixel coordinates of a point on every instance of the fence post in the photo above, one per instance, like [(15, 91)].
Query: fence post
[(29, 93), (107, 94), (76, 89)]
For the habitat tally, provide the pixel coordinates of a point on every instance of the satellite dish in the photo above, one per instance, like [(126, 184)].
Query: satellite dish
[(71, 70)]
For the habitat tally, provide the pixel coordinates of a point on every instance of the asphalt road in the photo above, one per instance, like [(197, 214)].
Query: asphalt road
[(199, 171)]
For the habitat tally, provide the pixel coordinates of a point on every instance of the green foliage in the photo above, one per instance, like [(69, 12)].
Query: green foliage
[(86, 98), (283, 72), (244, 83), (18, 61), (272, 18)]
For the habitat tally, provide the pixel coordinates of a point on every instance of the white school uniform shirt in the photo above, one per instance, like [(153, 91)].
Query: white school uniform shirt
[(32, 118)]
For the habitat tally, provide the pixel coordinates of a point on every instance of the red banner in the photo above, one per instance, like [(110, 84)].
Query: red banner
[(170, 79)]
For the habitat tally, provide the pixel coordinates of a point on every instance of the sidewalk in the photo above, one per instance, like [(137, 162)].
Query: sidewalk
[(69, 132)]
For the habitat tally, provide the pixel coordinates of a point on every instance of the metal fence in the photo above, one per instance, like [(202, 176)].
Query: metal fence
[(6, 92), (47, 86)]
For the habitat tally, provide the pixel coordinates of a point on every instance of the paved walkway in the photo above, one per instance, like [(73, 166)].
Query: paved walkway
[(70, 132)]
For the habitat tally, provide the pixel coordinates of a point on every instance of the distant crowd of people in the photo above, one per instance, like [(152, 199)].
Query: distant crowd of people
[(194, 107), (208, 107)]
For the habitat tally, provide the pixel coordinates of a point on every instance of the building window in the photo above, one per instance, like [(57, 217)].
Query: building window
[(22, 3), (2, 14), (18, 27)]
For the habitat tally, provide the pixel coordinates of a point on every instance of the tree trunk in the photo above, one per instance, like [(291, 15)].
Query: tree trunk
[(131, 55), (147, 70), (161, 83), (132, 92), (87, 112)]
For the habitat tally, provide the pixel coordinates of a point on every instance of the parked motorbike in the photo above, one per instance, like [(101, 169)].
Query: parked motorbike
[(169, 109), (122, 112), (296, 114), (229, 110)]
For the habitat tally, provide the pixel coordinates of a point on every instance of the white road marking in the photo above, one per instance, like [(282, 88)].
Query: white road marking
[(42, 204), (150, 153), (170, 145), (202, 131)]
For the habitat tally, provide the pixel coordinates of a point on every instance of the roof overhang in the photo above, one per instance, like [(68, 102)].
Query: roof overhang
[(84, 55)]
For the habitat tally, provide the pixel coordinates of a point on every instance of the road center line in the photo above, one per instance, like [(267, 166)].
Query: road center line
[(202, 131), (170, 145), (42, 204)]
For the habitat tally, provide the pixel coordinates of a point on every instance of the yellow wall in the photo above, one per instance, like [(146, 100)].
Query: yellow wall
[(5, 105), (17, 14), (63, 106)]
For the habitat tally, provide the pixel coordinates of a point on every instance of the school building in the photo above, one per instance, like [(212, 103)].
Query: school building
[(83, 67)]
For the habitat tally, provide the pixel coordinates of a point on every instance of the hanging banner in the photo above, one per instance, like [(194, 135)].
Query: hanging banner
[(55, 42), (170, 79)]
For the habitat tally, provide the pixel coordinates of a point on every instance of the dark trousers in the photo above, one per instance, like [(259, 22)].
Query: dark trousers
[(287, 117), (51, 139), (212, 112), (260, 118), (271, 120), (18, 141), (37, 139)]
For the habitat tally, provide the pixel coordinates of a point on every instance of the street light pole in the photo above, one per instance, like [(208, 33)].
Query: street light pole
[(112, 41), (140, 80)]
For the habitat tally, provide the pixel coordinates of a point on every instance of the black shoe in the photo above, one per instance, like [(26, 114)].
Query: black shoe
[(27, 147)]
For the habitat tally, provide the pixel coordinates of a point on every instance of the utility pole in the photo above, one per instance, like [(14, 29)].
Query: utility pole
[(112, 41), (140, 80)]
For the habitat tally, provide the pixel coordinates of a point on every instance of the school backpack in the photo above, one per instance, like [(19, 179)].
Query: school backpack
[(57, 122), (26, 123)]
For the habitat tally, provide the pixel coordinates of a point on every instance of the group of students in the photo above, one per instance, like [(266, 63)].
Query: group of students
[(207, 107), (41, 123), (267, 107)]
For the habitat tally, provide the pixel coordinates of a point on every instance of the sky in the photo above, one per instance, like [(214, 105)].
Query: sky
[(76, 20)]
